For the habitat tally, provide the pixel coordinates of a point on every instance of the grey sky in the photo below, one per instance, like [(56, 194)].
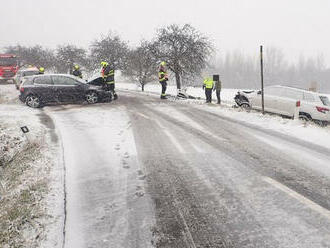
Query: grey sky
[(296, 26)]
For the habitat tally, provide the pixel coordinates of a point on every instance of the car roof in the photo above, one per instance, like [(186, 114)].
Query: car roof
[(29, 69), (295, 88)]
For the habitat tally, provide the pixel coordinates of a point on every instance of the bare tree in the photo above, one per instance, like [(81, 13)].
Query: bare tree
[(274, 64), (67, 56), (185, 50), (109, 48), (35, 55), (141, 65)]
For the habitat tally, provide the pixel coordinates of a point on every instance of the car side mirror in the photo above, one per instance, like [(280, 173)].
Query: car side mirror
[(259, 92)]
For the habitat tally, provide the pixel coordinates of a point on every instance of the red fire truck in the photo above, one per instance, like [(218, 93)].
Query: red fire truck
[(8, 67)]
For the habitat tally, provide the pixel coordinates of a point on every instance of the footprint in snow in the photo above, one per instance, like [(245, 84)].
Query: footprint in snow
[(141, 176), (117, 147), (126, 155), (139, 191), (125, 164)]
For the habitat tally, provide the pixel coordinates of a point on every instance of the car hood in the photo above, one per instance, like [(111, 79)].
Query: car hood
[(96, 82)]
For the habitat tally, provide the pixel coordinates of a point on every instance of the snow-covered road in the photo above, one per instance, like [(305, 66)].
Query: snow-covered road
[(141, 172)]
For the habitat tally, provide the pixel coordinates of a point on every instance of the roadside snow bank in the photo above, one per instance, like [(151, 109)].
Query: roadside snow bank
[(227, 95), (31, 187), (8, 94)]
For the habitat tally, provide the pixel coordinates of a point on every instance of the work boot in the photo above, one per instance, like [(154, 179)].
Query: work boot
[(163, 97)]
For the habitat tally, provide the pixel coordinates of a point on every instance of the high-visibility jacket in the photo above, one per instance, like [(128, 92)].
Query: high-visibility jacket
[(108, 74), (208, 83), (162, 75)]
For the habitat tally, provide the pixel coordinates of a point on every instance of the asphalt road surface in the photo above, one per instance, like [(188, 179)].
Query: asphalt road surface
[(142, 172)]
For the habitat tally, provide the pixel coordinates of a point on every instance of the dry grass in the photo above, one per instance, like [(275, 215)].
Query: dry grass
[(21, 200)]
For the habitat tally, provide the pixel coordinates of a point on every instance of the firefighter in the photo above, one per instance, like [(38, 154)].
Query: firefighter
[(108, 75), (208, 86), (76, 71), (41, 70), (217, 89), (163, 78)]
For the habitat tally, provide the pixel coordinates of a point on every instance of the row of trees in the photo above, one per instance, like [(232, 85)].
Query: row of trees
[(187, 53), (242, 71), (185, 50)]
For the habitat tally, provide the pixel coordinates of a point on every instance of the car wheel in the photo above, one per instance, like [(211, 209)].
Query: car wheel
[(33, 101), (92, 97), (305, 117), (246, 106)]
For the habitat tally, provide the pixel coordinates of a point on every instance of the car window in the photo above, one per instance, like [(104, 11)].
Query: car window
[(325, 100), (62, 80), (43, 80), (309, 97), (292, 94)]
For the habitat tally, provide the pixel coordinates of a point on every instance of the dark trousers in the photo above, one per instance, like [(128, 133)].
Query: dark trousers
[(218, 96), (208, 94), (164, 85), (111, 88)]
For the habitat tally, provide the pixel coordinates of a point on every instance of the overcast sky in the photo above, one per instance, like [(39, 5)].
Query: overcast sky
[(296, 26)]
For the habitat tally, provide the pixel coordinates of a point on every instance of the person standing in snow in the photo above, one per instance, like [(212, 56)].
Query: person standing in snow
[(76, 71), (163, 78), (208, 86), (217, 89), (108, 75)]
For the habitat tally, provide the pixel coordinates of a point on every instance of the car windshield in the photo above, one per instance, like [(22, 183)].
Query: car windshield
[(29, 73), (8, 61), (325, 100)]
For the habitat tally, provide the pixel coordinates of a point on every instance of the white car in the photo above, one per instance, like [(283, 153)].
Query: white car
[(24, 73), (282, 100)]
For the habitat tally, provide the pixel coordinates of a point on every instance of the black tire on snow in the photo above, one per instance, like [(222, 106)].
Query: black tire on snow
[(91, 97), (33, 101)]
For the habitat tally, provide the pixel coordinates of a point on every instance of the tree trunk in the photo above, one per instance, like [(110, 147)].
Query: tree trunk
[(178, 80), (142, 86)]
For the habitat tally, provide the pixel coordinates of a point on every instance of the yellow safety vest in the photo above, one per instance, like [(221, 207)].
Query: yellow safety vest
[(208, 82)]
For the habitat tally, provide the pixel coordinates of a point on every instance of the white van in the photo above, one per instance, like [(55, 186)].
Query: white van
[(282, 100)]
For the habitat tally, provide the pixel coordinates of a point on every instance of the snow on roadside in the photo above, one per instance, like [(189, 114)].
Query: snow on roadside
[(31, 188), (8, 94), (305, 131)]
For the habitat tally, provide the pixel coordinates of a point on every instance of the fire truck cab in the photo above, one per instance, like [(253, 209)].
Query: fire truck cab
[(8, 67)]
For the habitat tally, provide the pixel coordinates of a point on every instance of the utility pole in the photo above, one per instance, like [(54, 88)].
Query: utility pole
[(262, 81)]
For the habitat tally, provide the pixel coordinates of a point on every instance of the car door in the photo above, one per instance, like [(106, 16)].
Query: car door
[(67, 88), (269, 100), (286, 101), (43, 87)]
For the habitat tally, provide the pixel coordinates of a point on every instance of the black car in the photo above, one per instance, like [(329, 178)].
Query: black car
[(39, 90)]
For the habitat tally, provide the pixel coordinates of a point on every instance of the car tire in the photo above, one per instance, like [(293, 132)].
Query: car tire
[(33, 101), (91, 97), (305, 117), (246, 106)]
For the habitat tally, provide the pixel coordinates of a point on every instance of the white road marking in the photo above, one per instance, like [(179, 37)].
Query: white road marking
[(312, 205)]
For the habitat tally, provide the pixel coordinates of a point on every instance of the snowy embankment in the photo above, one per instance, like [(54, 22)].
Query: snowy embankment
[(305, 131), (30, 178)]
